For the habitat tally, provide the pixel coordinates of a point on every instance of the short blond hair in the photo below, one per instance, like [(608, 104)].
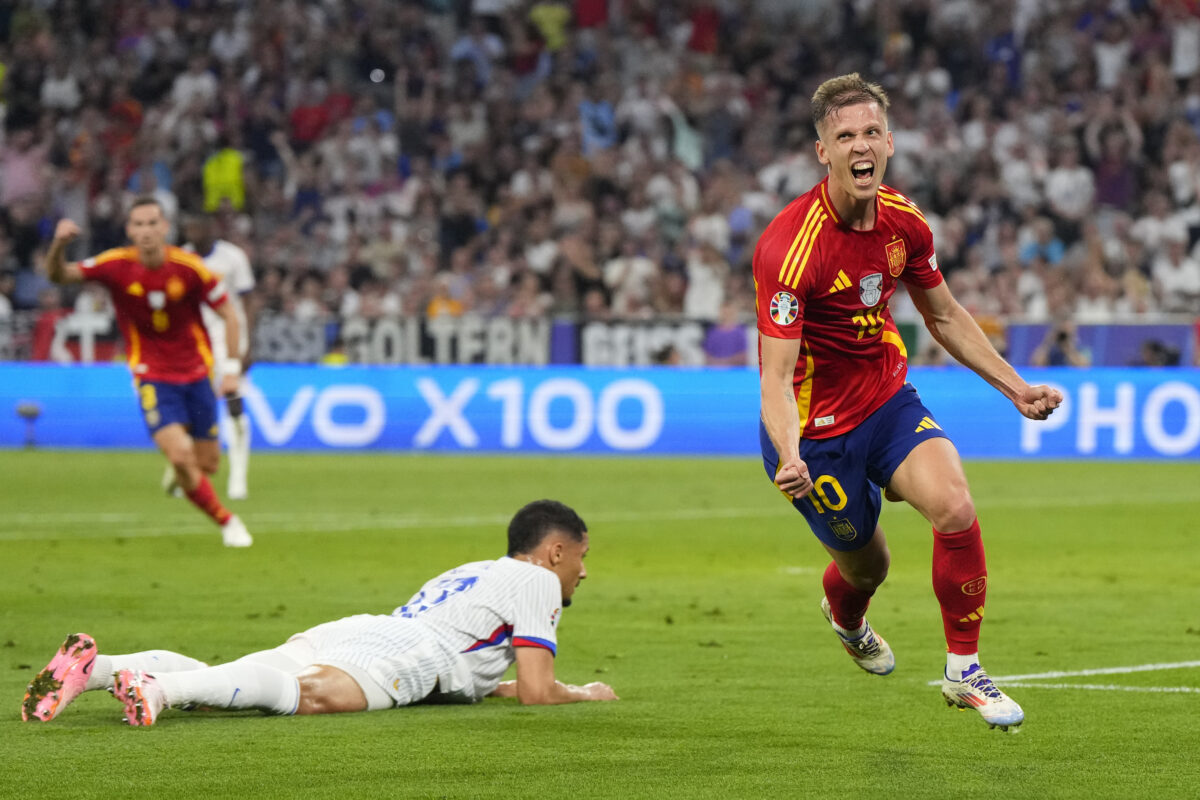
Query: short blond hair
[(845, 90)]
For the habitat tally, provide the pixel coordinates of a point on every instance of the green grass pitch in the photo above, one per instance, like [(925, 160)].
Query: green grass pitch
[(700, 609)]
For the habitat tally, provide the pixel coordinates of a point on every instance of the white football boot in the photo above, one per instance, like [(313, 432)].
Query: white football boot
[(234, 533), (977, 691), (869, 651)]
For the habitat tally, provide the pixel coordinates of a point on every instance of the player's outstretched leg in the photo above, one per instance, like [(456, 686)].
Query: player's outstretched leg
[(866, 647), (141, 695), (63, 679), (239, 455), (976, 690)]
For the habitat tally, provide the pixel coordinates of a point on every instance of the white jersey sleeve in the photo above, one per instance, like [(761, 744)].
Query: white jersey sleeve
[(480, 612), (536, 609)]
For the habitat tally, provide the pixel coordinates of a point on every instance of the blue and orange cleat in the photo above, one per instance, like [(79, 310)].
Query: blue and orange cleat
[(869, 651), (63, 679), (141, 695), (977, 691)]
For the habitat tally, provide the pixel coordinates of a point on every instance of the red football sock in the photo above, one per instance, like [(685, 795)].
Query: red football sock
[(960, 584), (849, 605), (205, 499)]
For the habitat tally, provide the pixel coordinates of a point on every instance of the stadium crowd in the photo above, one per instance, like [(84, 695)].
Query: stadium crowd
[(603, 158)]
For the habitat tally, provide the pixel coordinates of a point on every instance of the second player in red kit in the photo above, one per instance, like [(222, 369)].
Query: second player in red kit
[(157, 291)]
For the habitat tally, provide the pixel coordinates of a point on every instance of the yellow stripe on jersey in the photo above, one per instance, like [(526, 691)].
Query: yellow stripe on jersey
[(897, 197), (202, 346), (135, 349), (803, 256), (115, 254), (894, 338), (192, 260), (806, 247), (804, 396), (904, 207), (800, 235)]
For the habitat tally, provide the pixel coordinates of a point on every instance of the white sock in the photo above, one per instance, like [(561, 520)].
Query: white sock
[(956, 665), (156, 661), (237, 685), (239, 453)]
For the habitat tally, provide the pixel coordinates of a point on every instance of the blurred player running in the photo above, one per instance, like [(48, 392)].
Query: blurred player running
[(451, 643), (157, 291), (229, 263), (838, 419)]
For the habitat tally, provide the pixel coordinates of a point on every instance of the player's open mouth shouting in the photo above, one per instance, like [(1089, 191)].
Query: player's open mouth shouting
[(863, 172)]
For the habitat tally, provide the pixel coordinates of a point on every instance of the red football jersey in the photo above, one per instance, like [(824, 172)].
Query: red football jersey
[(158, 311), (820, 281)]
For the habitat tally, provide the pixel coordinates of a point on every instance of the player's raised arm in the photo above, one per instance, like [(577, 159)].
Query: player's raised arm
[(536, 685), (956, 330), (58, 269)]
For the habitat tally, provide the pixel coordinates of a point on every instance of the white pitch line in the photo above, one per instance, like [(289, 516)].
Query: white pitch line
[(1079, 673), (1025, 680), (1105, 687)]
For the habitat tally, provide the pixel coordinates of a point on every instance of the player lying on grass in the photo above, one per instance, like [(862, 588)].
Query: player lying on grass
[(452, 642)]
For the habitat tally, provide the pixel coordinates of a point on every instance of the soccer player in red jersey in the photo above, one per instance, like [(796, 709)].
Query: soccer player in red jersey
[(838, 419), (157, 291)]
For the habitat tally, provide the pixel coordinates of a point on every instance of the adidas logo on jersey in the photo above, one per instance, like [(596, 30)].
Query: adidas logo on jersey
[(842, 282), (927, 425)]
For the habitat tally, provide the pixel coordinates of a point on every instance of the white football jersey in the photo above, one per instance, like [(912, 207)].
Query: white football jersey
[(230, 264), (480, 612), (454, 639)]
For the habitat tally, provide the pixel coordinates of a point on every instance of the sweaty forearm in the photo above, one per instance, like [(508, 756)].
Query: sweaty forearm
[(966, 342), (781, 420)]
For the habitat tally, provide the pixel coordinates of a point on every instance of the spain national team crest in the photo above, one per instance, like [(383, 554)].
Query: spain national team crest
[(175, 288), (843, 529), (896, 256), (784, 308), (870, 288)]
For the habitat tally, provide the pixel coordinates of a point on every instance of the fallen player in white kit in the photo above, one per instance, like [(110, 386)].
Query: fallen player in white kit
[(452, 642)]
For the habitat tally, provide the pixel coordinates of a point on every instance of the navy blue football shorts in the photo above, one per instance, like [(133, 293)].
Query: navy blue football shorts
[(192, 405), (848, 470)]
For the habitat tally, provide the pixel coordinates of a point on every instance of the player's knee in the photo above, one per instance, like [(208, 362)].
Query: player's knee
[(956, 512), (181, 458)]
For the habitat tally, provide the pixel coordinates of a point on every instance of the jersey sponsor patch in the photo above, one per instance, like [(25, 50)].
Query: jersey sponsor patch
[(896, 256), (870, 288), (784, 308)]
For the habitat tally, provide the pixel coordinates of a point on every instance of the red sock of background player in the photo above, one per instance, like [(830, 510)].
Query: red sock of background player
[(848, 604), (205, 499), (960, 584)]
